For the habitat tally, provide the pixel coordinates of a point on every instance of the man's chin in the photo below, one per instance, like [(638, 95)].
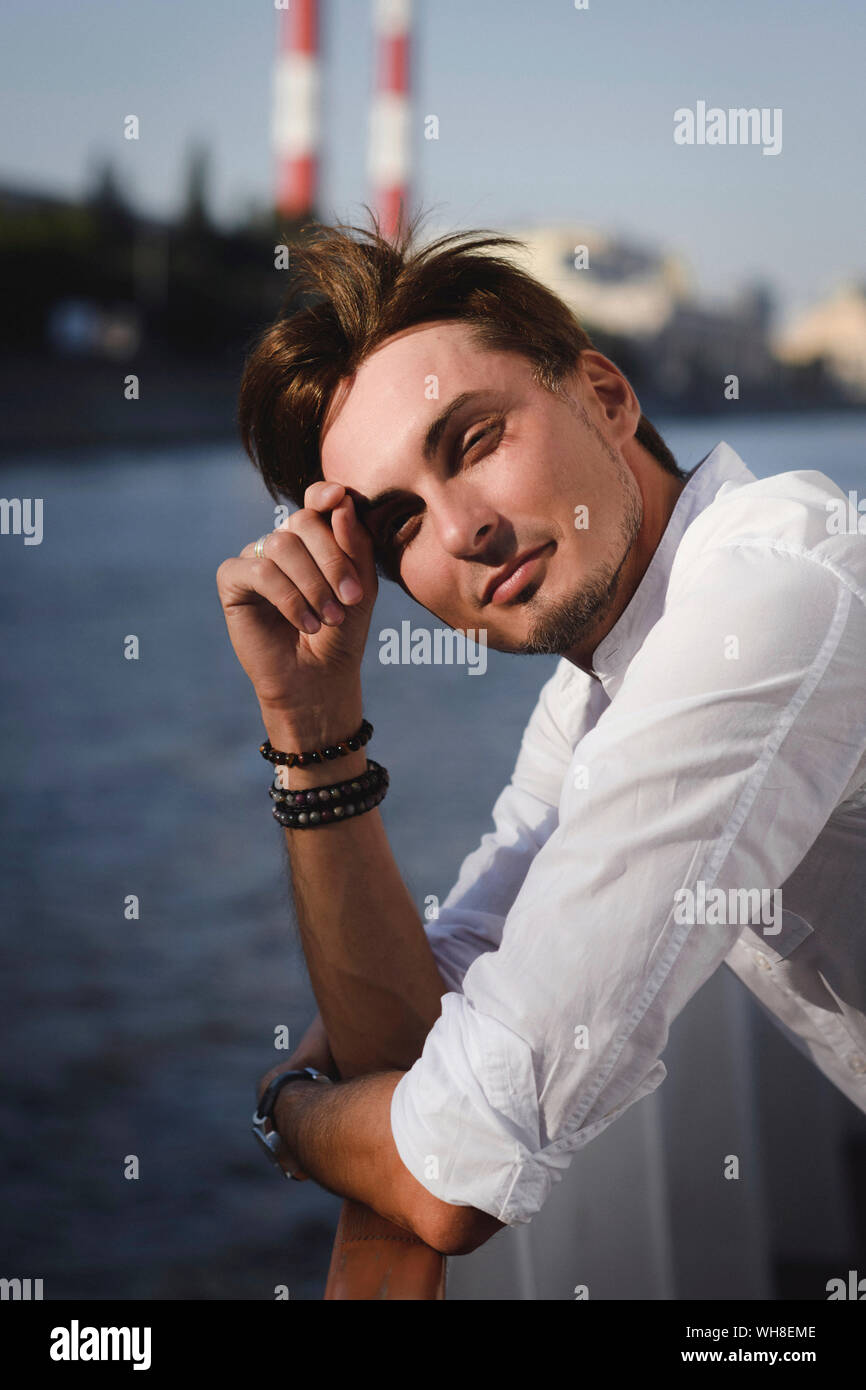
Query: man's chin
[(573, 622), (559, 631)]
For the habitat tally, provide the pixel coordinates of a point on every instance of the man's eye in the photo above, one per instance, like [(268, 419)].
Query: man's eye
[(395, 524), (481, 434), (400, 520)]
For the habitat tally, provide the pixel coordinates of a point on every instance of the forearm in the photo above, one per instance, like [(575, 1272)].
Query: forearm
[(341, 1137), (371, 967)]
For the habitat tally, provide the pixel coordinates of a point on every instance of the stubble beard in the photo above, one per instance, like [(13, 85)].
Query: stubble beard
[(560, 625)]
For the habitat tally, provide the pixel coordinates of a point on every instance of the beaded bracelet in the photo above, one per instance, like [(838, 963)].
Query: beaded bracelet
[(318, 755), (304, 809), (335, 791)]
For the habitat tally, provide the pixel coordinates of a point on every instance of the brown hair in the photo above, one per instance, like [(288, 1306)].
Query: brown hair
[(350, 290)]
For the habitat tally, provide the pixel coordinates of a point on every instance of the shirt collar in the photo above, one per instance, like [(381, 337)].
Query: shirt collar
[(611, 657)]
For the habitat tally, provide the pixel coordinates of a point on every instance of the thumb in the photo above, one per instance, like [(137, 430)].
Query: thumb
[(354, 538)]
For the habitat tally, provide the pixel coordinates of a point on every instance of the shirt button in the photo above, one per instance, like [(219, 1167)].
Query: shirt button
[(857, 1063), (761, 960)]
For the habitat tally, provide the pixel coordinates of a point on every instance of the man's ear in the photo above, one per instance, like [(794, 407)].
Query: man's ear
[(610, 388)]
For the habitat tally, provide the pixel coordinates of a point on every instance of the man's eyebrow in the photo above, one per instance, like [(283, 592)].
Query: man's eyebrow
[(435, 431), (432, 440)]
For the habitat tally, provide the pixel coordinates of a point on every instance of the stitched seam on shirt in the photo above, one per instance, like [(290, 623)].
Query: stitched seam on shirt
[(785, 724), (786, 548), (746, 800)]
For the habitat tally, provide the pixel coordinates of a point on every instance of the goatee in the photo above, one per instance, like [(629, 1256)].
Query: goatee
[(567, 623)]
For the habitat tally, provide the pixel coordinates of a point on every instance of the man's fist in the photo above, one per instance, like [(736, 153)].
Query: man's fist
[(312, 1051), (298, 614)]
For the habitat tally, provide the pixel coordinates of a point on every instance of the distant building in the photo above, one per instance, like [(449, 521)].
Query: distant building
[(682, 349), (620, 288), (703, 348), (835, 331)]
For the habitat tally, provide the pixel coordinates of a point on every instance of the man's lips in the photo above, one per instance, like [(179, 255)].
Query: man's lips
[(511, 578)]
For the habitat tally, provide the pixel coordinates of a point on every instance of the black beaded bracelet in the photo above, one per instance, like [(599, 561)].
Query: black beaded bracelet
[(314, 806), (318, 755)]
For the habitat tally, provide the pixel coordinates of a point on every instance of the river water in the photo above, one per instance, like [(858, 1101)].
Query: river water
[(145, 1037)]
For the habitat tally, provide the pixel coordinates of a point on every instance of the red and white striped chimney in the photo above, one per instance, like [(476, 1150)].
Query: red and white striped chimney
[(390, 134), (296, 109)]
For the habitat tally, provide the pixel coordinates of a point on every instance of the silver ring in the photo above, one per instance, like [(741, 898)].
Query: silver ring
[(259, 547)]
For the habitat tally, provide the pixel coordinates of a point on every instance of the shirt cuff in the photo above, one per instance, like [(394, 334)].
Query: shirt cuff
[(465, 1117)]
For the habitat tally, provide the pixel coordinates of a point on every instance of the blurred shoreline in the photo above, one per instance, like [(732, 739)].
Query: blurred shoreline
[(57, 406)]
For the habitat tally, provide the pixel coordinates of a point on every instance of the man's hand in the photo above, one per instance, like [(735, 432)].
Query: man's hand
[(312, 1051), (297, 636)]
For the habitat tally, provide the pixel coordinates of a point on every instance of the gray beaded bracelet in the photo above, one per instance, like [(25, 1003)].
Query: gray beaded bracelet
[(314, 806)]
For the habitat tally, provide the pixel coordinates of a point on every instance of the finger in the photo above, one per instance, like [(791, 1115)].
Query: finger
[(289, 552), (352, 535), (321, 496), (320, 567), (297, 1173), (249, 551), (315, 532), (243, 581)]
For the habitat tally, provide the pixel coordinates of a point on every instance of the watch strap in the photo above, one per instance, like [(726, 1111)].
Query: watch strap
[(269, 1095)]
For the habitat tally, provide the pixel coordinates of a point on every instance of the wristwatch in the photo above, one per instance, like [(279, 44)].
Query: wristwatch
[(271, 1142)]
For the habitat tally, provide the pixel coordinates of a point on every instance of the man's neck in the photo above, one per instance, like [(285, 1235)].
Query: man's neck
[(660, 491)]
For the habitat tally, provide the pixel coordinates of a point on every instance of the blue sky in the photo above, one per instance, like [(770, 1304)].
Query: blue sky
[(547, 114)]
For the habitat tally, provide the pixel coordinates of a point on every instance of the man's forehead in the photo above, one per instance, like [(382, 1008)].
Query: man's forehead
[(400, 368), (396, 391)]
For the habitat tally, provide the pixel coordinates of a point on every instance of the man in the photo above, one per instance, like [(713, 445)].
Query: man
[(690, 789)]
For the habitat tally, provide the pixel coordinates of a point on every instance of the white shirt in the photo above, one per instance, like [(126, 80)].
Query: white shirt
[(723, 747)]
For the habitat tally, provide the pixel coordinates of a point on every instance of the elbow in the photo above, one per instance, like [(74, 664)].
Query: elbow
[(445, 1227), (456, 1230)]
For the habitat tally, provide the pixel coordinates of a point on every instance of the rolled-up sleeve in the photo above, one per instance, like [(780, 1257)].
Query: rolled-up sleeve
[(738, 724), (470, 919)]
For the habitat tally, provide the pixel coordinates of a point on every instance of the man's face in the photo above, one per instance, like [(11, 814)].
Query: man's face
[(483, 467)]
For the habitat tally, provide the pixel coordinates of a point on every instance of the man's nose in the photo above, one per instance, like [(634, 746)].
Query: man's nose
[(465, 522)]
